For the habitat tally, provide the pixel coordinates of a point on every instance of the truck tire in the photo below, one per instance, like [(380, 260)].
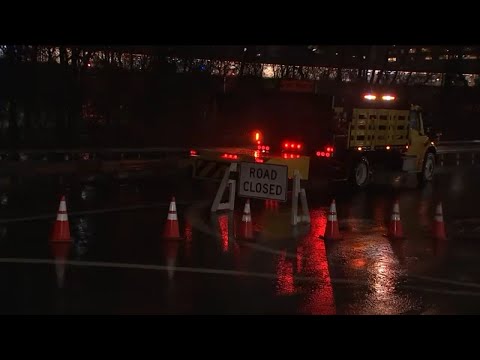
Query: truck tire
[(428, 169), (361, 173)]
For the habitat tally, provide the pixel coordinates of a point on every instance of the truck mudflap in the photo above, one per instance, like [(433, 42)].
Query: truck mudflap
[(409, 164)]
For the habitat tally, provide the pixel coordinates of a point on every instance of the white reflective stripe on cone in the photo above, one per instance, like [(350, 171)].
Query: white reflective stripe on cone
[(63, 206), (396, 208), (439, 213), (395, 217), (333, 207), (62, 217), (247, 208), (173, 207), (172, 216), (332, 217), (246, 218)]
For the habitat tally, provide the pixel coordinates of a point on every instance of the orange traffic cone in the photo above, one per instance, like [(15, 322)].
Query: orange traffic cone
[(246, 230), (331, 229), (171, 227), (60, 252), (438, 224), (395, 229), (61, 228)]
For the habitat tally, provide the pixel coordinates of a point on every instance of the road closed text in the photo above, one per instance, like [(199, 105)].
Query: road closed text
[(263, 181)]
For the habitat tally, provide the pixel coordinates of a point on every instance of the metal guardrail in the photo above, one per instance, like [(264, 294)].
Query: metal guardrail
[(89, 153), (98, 150), (459, 142), (456, 153), (451, 147)]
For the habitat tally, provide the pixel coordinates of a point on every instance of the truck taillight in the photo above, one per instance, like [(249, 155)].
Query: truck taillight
[(230, 156), (291, 156), (327, 153), (193, 153), (292, 145)]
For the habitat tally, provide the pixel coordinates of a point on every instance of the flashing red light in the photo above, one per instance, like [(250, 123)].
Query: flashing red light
[(292, 145), (230, 156), (193, 153), (291, 156), (259, 147), (327, 154), (258, 160), (322, 154), (299, 146), (317, 153), (267, 148), (258, 142), (263, 147), (286, 145)]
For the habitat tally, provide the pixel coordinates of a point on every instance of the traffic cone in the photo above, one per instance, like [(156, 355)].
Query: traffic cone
[(246, 229), (171, 227), (331, 229), (395, 229), (438, 224), (60, 251), (61, 228)]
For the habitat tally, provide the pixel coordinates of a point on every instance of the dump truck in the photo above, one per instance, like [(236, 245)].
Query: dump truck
[(342, 138), (378, 132)]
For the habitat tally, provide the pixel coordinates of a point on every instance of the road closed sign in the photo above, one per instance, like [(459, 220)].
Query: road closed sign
[(263, 181)]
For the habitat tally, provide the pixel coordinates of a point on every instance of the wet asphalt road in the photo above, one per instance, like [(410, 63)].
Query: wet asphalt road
[(118, 262)]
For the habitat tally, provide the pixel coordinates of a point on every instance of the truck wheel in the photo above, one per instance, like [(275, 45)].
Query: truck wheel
[(428, 169), (360, 176)]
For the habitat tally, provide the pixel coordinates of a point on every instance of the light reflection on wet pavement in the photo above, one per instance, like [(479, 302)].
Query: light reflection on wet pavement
[(119, 263)]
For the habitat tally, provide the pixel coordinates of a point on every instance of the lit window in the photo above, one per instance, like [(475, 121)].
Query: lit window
[(443, 57), (412, 51), (428, 58), (425, 50), (392, 59)]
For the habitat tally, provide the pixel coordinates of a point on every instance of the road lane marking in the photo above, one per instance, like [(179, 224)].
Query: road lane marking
[(210, 271)]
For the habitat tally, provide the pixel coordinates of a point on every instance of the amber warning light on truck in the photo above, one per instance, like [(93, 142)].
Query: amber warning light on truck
[(372, 97)]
